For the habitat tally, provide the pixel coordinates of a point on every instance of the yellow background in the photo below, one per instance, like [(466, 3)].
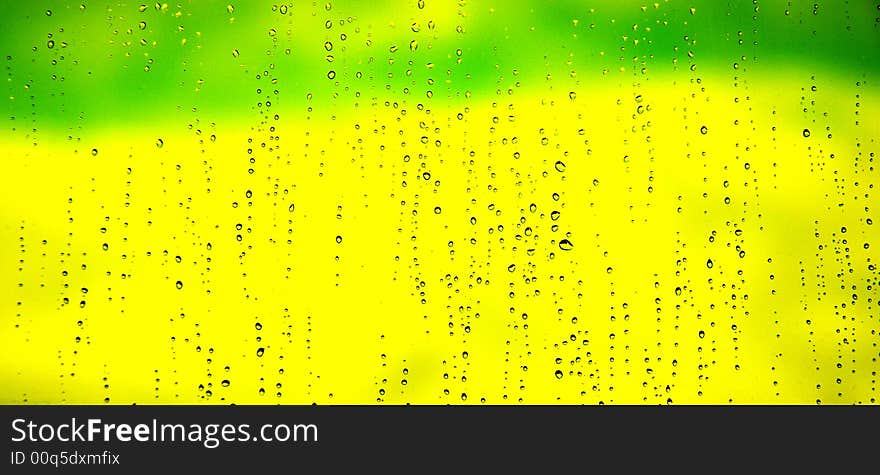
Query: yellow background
[(545, 239)]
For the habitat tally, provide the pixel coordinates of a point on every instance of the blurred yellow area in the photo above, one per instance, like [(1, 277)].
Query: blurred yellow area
[(687, 241)]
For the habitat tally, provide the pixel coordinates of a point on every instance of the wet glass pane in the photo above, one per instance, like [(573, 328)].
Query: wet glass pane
[(436, 202)]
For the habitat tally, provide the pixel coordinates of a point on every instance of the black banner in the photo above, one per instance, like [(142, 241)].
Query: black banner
[(416, 439)]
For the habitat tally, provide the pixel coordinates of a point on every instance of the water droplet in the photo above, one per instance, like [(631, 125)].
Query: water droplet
[(566, 245)]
